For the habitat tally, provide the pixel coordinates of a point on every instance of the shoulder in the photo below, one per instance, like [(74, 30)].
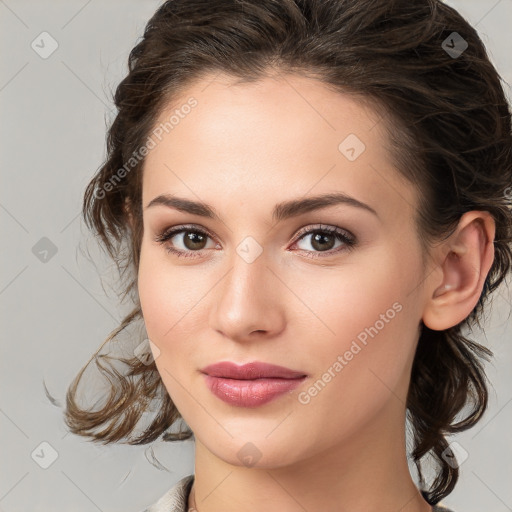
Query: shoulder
[(175, 499)]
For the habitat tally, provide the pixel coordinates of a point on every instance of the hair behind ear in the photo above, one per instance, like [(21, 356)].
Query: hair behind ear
[(447, 374)]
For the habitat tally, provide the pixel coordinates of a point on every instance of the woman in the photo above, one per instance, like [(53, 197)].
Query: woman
[(310, 201)]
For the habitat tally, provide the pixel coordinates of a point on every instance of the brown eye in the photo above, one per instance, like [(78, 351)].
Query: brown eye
[(183, 241), (194, 240), (324, 239)]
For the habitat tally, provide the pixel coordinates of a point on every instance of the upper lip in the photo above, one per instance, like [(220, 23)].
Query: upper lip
[(250, 371)]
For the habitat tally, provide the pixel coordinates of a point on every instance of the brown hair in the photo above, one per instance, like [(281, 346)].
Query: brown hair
[(449, 126)]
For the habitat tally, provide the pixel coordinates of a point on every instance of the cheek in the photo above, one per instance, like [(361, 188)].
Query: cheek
[(173, 300), (165, 292), (342, 303), (164, 313), (156, 297), (363, 332)]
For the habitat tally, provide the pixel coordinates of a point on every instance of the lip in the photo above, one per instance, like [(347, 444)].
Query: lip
[(250, 371), (252, 384)]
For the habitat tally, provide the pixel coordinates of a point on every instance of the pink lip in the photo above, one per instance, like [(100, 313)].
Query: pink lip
[(251, 371), (252, 384)]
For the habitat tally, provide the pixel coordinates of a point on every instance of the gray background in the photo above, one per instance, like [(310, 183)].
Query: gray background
[(55, 311)]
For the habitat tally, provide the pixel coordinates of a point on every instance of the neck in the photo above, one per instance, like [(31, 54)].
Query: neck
[(368, 472)]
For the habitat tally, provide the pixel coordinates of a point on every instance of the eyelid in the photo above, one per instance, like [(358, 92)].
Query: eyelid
[(309, 229), (164, 234)]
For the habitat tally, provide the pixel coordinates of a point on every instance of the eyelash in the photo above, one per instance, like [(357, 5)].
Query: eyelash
[(347, 238)]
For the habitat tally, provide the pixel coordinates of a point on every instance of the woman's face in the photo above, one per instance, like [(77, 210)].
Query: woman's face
[(257, 283)]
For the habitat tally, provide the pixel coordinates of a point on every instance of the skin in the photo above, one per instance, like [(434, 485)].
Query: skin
[(243, 149)]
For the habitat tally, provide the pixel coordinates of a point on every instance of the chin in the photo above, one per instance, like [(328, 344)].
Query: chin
[(254, 454)]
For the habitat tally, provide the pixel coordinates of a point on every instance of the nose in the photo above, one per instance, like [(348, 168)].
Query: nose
[(248, 303)]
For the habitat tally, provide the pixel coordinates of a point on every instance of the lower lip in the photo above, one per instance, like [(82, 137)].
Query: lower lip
[(250, 393)]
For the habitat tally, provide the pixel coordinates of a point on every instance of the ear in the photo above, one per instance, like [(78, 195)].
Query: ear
[(463, 262)]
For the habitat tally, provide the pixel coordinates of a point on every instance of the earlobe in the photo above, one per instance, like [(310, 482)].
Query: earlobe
[(464, 261)]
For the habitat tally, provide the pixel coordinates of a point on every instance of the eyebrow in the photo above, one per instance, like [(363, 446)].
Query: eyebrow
[(282, 211)]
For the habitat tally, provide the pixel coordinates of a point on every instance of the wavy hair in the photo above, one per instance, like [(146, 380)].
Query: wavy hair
[(449, 128)]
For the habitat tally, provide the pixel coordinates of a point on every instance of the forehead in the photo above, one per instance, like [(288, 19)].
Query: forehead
[(280, 136)]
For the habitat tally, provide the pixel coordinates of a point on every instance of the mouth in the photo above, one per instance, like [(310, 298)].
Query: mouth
[(250, 385)]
